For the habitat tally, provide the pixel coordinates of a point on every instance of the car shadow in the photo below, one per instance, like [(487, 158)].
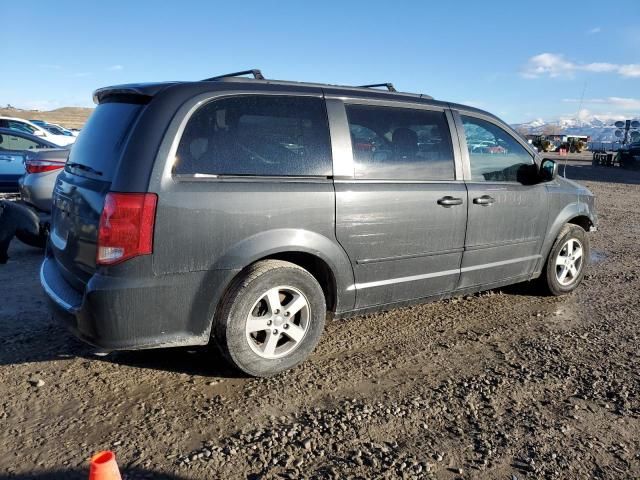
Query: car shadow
[(27, 340), (523, 289), (589, 173), (203, 361), (56, 343), (83, 474)]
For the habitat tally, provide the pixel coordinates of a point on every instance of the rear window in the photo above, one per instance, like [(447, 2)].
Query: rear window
[(97, 150), (257, 135)]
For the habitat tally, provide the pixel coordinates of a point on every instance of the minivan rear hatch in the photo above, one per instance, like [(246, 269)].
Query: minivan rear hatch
[(81, 188)]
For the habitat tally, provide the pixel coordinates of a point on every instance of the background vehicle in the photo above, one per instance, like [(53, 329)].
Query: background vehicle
[(36, 189), (629, 156), (14, 146), (243, 210), (42, 168), (66, 131), (26, 126), (55, 128)]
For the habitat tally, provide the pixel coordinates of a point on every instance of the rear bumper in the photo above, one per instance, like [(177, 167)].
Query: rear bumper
[(115, 313)]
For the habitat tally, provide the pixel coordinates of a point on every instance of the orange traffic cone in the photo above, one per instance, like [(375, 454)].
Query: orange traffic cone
[(104, 467)]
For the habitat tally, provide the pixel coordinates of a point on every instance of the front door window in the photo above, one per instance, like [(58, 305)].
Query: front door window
[(494, 155)]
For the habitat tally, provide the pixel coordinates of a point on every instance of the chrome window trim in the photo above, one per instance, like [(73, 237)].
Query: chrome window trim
[(375, 102), (203, 177)]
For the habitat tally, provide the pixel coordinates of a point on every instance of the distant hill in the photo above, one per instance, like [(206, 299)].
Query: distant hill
[(69, 117)]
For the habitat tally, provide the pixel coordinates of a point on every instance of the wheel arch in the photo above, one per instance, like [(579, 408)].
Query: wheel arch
[(574, 213), (322, 257), (317, 267), (582, 221)]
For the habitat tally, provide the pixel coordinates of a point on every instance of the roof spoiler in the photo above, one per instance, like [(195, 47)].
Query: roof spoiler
[(133, 93)]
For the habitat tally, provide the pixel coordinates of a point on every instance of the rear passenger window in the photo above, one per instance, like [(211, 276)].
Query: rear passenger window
[(400, 143), (257, 135)]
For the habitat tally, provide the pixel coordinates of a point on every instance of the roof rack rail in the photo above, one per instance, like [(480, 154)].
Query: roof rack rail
[(257, 74), (389, 86)]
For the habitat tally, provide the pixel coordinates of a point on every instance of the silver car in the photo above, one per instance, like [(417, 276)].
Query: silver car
[(36, 187)]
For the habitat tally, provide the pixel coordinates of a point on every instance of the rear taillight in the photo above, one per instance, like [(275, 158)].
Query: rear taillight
[(126, 227), (41, 166)]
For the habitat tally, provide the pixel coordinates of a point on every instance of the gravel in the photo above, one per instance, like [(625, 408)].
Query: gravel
[(503, 384)]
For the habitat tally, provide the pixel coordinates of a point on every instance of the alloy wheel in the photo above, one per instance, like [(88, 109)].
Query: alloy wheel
[(277, 322), (569, 262)]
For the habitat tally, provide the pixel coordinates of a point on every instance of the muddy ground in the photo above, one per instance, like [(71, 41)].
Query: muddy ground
[(506, 384)]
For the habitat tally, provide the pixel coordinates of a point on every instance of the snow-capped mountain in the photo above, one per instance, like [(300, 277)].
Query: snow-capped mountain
[(601, 128)]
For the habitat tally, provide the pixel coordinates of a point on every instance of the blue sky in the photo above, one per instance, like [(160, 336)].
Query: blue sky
[(520, 60)]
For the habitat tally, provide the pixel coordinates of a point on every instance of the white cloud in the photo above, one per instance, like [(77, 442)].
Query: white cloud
[(630, 70), (82, 74), (114, 68), (594, 30), (599, 67), (620, 103), (549, 64), (556, 65)]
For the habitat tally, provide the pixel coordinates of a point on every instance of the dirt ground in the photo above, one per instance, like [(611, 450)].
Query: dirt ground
[(502, 385)]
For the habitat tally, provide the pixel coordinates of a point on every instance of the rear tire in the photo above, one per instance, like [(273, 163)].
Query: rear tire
[(271, 318), (567, 261)]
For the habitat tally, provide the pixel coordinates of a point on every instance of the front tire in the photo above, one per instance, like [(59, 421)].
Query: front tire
[(567, 261), (271, 318)]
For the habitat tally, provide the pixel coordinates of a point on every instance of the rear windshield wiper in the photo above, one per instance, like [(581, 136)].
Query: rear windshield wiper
[(86, 168)]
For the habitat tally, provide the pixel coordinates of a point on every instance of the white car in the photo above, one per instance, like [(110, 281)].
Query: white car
[(26, 126)]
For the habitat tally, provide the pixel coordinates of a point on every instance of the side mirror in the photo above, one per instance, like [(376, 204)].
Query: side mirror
[(39, 133), (548, 170)]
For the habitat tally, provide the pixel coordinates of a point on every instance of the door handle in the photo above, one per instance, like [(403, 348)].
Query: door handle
[(484, 200), (449, 201)]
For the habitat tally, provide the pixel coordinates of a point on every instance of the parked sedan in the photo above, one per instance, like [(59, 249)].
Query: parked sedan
[(14, 146), (36, 189), (42, 169), (54, 128), (21, 125)]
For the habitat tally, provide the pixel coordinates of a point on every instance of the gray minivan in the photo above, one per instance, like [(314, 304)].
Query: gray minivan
[(243, 210)]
